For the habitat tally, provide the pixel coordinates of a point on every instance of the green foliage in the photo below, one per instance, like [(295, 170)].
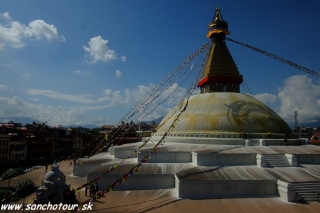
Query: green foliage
[(25, 187), (4, 193), (10, 173)]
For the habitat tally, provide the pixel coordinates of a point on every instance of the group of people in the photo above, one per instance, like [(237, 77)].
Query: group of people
[(92, 188)]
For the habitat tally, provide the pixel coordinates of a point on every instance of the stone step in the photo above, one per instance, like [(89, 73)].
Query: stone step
[(277, 160), (272, 159), (311, 199), (279, 164), (284, 159), (275, 165), (313, 188), (307, 186), (308, 191), (311, 194)]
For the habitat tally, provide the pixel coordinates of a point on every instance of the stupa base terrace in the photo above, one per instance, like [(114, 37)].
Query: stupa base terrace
[(201, 171)]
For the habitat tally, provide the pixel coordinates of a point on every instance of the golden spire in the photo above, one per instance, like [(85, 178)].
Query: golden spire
[(220, 73)]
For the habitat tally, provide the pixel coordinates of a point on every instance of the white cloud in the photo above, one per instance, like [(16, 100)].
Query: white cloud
[(123, 58), (54, 115), (34, 99), (12, 33), (5, 65), (155, 113), (266, 98), (26, 75), (79, 72), (5, 15), (177, 94), (118, 73), (76, 114), (4, 120), (55, 95), (300, 93), (112, 97), (97, 121), (40, 29), (157, 105), (99, 51), (4, 87), (141, 91), (115, 97)]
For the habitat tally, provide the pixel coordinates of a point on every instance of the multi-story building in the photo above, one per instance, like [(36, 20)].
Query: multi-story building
[(4, 146), (39, 142), (18, 149), (105, 129)]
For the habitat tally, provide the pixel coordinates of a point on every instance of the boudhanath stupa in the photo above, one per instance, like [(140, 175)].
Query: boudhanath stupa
[(225, 144)]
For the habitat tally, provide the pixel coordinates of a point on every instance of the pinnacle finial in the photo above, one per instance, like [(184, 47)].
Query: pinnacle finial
[(218, 26), (217, 15)]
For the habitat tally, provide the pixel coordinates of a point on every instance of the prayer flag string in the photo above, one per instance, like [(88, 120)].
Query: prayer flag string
[(317, 74)]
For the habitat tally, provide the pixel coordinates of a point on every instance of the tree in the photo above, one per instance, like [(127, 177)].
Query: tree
[(25, 187), (10, 173), (4, 193)]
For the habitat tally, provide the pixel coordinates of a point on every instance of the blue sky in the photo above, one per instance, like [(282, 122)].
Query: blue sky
[(80, 62)]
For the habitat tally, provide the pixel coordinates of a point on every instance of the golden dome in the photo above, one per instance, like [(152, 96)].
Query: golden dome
[(224, 112)]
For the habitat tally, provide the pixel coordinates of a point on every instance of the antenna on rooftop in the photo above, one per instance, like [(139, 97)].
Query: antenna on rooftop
[(295, 114)]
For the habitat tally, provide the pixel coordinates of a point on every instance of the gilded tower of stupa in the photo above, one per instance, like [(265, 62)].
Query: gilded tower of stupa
[(220, 73)]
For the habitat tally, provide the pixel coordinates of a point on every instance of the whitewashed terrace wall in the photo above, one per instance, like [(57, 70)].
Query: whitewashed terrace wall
[(308, 158), (84, 169), (226, 188), (223, 159), (137, 181), (167, 157)]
